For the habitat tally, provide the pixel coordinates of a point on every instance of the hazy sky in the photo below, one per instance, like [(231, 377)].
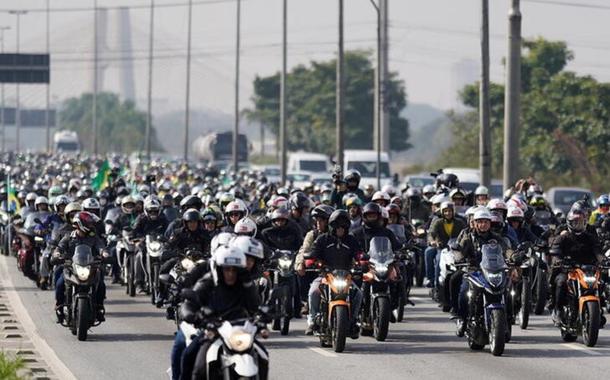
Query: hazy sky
[(428, 39)]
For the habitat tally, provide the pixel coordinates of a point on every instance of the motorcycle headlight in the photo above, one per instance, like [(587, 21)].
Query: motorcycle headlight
[(590, 280), (421, 231), (495, 279), (240, 340), (154, 245), (339, 284), (187, 264), (82, 272), (381, 270), (284, 263)]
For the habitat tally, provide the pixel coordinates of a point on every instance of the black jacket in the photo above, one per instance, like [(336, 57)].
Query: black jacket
[(183, 238), (288, 237), (334, 252), (470, 244), (364, 234), (144, 225), (583, 248)]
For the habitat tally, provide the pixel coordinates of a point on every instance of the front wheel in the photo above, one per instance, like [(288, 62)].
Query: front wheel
[(497, 332), (381, 318), (540, 292), (526, 296), (131, 270), (82, 319), (590, 323), (154, 283), (340, 327), (420, 271)]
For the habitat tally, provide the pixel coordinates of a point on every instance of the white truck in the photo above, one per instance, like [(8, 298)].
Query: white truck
[(66, 141), (365, 161)]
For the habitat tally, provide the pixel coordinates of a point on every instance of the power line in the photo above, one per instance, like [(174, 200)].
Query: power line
[(569, 4)]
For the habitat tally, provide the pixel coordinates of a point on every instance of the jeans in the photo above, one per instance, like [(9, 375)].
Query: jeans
[(463, 300), (315, 295), (176, 356), (430, 255)]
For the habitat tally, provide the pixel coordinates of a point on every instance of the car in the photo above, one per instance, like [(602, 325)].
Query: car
[(273, 173), (419, 180), (308, 162), (564, 197)]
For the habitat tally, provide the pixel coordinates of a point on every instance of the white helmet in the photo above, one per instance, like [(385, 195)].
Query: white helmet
[(515, 212), (128, 199), (481, 190), (389, 189), (236, 206), (482, 213), (245, 226), (40, 200), (225, 256), (222, 239), (447, 204), (497, 204), (150, 206), (91, 204), (381, 195), (31, 197), (249, 246), (471, 211)]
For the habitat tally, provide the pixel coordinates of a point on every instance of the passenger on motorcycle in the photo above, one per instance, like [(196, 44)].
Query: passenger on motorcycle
[(353, 205), (84, 225), (516, 219), (336, 249)]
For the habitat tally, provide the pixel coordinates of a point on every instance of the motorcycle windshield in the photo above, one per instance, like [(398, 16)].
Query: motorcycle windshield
[(492, 258), (399, 231), (380, 249), (83, 255)]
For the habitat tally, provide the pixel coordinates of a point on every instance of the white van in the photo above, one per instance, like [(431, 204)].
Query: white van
[(308, 162), (365, 161)]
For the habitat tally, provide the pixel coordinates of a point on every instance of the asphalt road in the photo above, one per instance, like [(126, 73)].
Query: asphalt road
[(135, 341)]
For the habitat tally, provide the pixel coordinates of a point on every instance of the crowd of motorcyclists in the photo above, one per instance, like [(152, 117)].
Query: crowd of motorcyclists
[(212, 246)]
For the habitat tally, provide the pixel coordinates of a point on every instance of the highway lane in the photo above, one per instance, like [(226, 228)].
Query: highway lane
[(136, 340)]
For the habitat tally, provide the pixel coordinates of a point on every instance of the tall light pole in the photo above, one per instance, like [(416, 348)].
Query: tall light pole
[(2, 30), (187, 115), (236, 125), (18, 14), (150, 78), (484, 106), (384, 76), (283, 161), (95, 79), (47, 119), (340, 86), (378, 98), (512, 98)]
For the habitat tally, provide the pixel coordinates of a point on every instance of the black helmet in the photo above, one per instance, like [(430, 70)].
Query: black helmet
[(371, 208), (353, 175), (299, 200), (339, 218), (448, 180), (577, 221), (191, 215), (322, 211), (191, 201)]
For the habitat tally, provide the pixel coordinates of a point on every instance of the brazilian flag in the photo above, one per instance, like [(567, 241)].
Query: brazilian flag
[(13, 202), (101, 179)]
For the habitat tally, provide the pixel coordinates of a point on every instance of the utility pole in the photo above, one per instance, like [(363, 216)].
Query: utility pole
[(187, 111), (18, 14), (512, 98), (262, 140), (47, 118), (484, 106), (378, 98), (236, 125), (2, 30), (283, 162), (95, 78), (339, 91), (384, 76), (150, 77)]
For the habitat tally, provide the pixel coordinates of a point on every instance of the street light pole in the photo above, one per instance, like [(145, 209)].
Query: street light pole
[(95, 79), (187, 115), (378, 98), (512, 98), (150, 78), (484, 106), (47, 119), (283, 162), (18, 14), (236, 125), (2, 29), (340, 85)]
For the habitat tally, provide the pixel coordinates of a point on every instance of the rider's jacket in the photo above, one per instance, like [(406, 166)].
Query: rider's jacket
[(334, 252), (583, 248)]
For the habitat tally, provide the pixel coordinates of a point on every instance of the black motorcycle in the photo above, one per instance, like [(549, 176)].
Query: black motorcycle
[(282, 278)]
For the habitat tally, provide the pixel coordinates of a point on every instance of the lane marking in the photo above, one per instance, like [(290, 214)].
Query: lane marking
[(47, 353), (322, 352), (576, 347)]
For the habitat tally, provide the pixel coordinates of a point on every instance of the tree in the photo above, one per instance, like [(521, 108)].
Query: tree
[(311, 105), (120, 126), (565, 121)]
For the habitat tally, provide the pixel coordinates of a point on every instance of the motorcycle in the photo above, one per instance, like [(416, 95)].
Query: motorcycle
[(27, 256), (519, 295), (418, 247), (282, 277), (539, 277), (582, 313), (154, 250), (81, 274), (448, 269), (332, 324), (487, 323), (381, 278), (126, 252), (406, 267)]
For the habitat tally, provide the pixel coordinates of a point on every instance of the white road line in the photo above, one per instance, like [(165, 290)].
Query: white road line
[(47, 353), (323, 352), (580, 348)]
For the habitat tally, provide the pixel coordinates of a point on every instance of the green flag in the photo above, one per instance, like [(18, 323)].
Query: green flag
[(101, 179)]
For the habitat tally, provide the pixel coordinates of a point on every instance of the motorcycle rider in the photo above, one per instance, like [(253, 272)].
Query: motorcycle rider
[(337, 249), (28, 207), (84, 225), (151, 221), (441, 231), (481, 195), (300, 205), (469, 251), (349, 184), (284, 233), (353, 206), (516, 219), (373, 226), (171, 213), (416, 208), (210, 221), (602, 210), (234, 211)]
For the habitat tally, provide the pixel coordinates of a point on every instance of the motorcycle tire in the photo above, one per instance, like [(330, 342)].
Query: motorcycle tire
[(402, 297), (497, 333), (82, 319), (154, 283), (474, 346), (381, 318), (131, 286), (524, 310), (340, 327), (420, 272), (285, 316), (540, 292), (590, 323), (568, 337), (285, 326)]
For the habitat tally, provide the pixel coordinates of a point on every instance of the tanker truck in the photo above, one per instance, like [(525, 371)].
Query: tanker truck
[(66, 141), (217, 148)]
